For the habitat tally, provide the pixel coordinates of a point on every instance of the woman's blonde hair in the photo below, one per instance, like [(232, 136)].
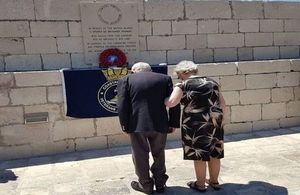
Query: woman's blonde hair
[(186, 67)]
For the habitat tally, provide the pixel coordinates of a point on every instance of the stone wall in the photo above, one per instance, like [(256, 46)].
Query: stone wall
[(46, 35), (259, 95)]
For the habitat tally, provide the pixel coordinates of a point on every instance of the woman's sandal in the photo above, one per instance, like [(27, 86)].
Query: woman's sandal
[(215, 186), (193, 185)]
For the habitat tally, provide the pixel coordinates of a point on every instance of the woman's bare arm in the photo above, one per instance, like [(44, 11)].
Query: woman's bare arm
[(174, 98)]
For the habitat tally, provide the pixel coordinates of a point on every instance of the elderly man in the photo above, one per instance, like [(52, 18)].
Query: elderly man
[(144, 117)]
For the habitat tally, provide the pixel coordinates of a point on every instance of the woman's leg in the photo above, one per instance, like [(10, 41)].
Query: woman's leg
[(200, 169), (214, 166)]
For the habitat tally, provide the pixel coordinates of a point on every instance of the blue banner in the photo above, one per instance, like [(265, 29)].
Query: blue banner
[(91, 93)]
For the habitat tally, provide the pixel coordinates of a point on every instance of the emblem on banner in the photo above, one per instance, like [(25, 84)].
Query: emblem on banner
[(107, 94)]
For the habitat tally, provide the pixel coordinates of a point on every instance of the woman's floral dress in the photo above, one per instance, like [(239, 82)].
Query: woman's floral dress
[(202, 130)]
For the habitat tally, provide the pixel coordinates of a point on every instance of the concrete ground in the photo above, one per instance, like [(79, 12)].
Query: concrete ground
[(259, 163)]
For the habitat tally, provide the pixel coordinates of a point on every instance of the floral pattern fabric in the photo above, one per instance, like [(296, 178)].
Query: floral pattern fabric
[(201, 129)]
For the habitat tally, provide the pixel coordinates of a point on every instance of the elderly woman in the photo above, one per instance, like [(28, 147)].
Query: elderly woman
[(202, 123)]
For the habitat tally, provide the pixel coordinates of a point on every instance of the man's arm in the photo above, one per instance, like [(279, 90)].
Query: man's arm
[(174, 112), (124, 105)]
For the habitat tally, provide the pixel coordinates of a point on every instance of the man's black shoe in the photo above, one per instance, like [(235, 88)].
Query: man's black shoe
[(160, 189), (138, 187)]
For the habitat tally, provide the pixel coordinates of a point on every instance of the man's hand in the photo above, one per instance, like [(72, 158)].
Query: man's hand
[(171, 129)]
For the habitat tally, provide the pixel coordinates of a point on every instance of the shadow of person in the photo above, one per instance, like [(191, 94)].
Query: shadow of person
[(7, 175), (252, 188)]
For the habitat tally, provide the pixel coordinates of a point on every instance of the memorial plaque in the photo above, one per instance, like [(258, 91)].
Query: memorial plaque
[(109, 24)]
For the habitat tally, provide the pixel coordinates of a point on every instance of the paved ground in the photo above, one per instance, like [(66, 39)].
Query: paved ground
[(261, 163)]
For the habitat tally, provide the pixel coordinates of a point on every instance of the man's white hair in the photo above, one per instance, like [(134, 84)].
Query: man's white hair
[(141, 67), (186, 66)]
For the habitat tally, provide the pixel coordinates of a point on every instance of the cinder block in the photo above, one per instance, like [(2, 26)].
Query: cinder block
[(75, 29), (145, 28), (153, 57), (91, 143), (34, 79), (295, 64), (50, 148), (258, 39), (118, 140), (225, 40), (238, 128), (14, 29), (142, 43), (176, 56), (293, 109), (282, 10), (287, 38), (263, 67), (245, 54), (227, 114), (259, 81), (55, 94), (235, 82), (54, 111), (15, 9), (57, 10), (78, 60), (258, 96), (288, 79), (289, 52), (164, 10), (207, 9), (166, 42), (40, 45), (11, 46), (207, 26), (11, 115), (73, 129), (56, 61), (23, 62), (282, 94), (297, 93), (271, 25), (70, 44), (49, 29), (273, 111), (6, 80), (228, 26), (4, 98), (203, 55), (225, 54), (265, 53), (14, 152), (161, 27), (246, 113), (25, 134), (292, 25), (217, 69), (196, 41), (247, 10), (248, 25), (289, 122), (108, 126), (231, 97), (184, 27), (28, 96), (264, 125)]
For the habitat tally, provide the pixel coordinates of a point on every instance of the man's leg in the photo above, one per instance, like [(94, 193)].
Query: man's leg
[(140, 156), (157, 144)]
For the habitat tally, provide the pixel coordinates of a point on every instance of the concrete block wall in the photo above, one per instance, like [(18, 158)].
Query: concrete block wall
[(46, 35), (259, 95)]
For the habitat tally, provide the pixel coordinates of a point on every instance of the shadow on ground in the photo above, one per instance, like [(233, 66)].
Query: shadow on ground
[(252, 188), (7, 175)]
